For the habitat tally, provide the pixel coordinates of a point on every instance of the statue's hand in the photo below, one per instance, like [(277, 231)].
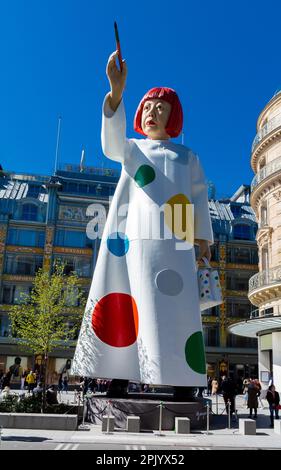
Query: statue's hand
[(117, 80)]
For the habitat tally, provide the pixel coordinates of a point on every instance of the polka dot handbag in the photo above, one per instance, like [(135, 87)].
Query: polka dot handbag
[(209, 286)]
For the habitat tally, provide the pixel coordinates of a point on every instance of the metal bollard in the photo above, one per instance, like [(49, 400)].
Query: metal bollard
[(160, 417), (208, 417), (1, 430), (229, 415), (108, 415), (83, 426)]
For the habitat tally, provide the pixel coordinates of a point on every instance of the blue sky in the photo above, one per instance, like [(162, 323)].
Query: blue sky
[(223, 58)]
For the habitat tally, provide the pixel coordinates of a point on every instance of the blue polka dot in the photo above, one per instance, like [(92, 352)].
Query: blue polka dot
[(118, 244)]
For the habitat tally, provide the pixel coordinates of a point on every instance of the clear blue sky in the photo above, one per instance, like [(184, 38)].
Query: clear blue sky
[(222, 57)]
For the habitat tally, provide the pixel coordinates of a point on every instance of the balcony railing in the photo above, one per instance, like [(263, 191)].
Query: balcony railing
[(265, 312), (266, 171), (265, 278), (269, 127)]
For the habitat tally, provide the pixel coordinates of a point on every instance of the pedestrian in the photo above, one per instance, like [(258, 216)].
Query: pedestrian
[(65, 384), (273, 399), (51, 395), (228, 389), (31, 381), (215, 386), (60, 384), (253, 394)]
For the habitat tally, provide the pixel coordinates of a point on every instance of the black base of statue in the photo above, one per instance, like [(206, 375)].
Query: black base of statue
[(147, 407), (118, 388)]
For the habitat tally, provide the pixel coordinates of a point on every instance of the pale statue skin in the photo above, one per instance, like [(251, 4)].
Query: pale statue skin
[(155, 116)]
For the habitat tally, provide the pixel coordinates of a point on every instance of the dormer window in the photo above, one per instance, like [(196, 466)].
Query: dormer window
[(29, 212), (242, 232)]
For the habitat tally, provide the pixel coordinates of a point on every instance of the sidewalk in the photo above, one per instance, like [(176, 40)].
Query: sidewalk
[(218, 436)]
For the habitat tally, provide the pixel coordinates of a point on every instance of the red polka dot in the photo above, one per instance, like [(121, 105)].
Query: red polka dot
[(115, 320)]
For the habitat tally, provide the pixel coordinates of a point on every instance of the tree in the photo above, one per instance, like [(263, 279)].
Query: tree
[(48, 318)]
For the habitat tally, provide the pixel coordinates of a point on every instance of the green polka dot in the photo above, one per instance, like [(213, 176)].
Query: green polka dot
[(195, 353), (144, 175)]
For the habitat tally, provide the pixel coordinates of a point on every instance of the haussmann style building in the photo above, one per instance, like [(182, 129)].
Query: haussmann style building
[(265, 286)]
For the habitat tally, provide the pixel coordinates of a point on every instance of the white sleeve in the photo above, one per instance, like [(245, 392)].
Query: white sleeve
[(113, 132), (202, 220)]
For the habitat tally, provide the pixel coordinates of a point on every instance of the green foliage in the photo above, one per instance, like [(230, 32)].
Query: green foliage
[(47, 318), (32, 404), (8, 404)]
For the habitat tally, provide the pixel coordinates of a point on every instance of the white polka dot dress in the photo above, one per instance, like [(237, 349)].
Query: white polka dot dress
[(142, 320)]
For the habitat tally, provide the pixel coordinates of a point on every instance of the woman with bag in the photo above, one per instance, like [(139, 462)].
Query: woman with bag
[(273, 399)]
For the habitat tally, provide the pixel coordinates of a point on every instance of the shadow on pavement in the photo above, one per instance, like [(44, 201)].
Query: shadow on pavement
[(25, 438)]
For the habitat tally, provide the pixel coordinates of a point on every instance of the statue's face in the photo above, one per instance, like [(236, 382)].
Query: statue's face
[(154, 119)]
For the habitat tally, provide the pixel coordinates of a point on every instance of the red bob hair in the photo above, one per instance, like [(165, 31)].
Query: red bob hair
[(175, 122)]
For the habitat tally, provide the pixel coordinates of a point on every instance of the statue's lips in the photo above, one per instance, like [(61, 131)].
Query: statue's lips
[(150, 123)]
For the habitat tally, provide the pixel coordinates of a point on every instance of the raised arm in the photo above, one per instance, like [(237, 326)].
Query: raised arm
[(113, 135)]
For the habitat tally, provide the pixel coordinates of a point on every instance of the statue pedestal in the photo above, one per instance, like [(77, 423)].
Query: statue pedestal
[(148, 409)]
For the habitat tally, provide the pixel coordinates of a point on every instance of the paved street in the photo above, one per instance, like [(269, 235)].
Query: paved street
[(218, 437)]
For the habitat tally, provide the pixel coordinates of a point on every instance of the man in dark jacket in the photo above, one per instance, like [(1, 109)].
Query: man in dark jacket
[(228, 390), (273, 399)]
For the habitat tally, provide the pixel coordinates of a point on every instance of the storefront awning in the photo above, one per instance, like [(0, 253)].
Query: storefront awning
[(250, 328)]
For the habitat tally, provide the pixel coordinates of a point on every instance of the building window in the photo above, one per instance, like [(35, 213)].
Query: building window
[(236, 210), (211, 335), (263, 215), (72, 238), (34, 190), (24, 237), (237, 281), (5, 326), (239, 309), (242, 232), (214, 311), (29, 212), (22, 265), (235, 341), (264, 259), (241, 255), (81, 265), (214, 252), (12, 293)]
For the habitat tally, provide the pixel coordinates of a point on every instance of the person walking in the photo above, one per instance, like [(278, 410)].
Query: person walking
[(228, 389), (273, 399), (253, 394), (65, 384)]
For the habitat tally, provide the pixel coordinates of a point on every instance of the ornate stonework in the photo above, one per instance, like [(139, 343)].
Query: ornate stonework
[(73, 251), (277, 195), (24, 249), (3, 234), (73, 213), (14, 277)]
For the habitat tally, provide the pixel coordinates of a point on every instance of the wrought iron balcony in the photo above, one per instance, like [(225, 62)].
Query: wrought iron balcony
[(268, 278), (269, 127), (266, 171), (265, 312)]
